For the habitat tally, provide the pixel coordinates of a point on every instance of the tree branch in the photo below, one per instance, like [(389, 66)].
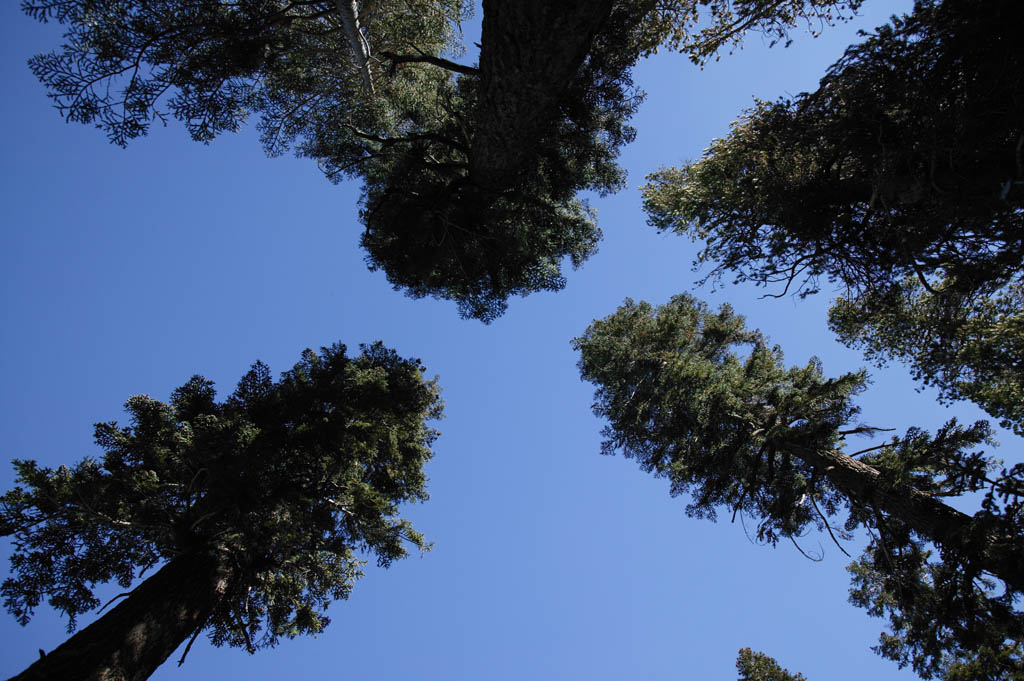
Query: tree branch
[(446, 64)]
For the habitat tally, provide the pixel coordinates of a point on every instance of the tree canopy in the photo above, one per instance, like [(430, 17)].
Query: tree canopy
[(907, 161), (703, 28), (449, 211), (695, 397), (260, 508), (901, 180), (470, 174)]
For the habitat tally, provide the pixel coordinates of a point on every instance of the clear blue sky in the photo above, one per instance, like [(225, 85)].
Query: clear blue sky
[(127, 271)]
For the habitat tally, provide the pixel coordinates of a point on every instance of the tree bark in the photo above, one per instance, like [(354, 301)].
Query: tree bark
[(348, 10), (133, 639), (929, 517), (531, 50)]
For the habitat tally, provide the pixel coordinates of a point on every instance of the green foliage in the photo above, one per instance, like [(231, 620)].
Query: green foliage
[(900, 180), (759, 667), (696, 397), (293, 479), (430, 226), (211, 65), (947, 618), (435, 231), (702, 28), (945, 621), (434, 227), (970, 347), (905, 162)]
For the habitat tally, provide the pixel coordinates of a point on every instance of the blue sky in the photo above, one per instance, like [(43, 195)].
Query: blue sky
[(127, 271)]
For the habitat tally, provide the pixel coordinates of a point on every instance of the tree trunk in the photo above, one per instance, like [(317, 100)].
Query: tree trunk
[(929, 517), (531, 51), (133, 639), (348, 10)]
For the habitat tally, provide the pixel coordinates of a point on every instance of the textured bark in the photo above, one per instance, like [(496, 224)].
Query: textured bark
[(531, 51), (928, 516), (133, 639)]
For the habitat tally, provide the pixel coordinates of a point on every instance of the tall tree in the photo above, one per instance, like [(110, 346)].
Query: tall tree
[(900, 180), (696, 397), (470, 174), (257, 508)]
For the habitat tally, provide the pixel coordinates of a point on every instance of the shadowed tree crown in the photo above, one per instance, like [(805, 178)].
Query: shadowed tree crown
[(900, 180), (260, 507), (470, 173), (907, 160)]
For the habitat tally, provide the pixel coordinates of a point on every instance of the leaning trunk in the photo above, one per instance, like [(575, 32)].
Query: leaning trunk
[(133, 639), (929, 517)]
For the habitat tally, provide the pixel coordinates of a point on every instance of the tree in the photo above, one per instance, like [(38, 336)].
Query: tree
[(500, 219), (470, 174), (759, 667), (905, 161), (258, 508), (696, 397), (901, 180), (449, 210)]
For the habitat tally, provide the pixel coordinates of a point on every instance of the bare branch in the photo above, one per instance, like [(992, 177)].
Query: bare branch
[(446, 64)]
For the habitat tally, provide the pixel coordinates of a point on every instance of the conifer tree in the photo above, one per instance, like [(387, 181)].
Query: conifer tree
[(253, 511), (900, 181), (696, 397)]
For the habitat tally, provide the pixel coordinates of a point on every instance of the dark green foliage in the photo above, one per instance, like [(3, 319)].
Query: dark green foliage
[(721, 427), (947, 617), (432, 228), (436, 231), (759, 667), (907, 160), (901, 179), (211, 65), (292, 480), (448, 213), (454, 240), (969, 346), (439, 230), (696, 397)]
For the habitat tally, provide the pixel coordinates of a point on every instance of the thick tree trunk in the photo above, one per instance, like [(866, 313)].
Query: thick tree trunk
[(133, 639), (928, 516), (531, 51)]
